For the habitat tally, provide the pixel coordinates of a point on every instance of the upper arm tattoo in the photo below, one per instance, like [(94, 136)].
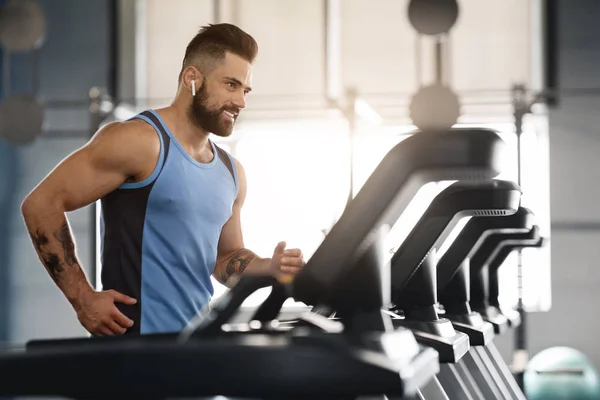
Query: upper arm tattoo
[(237, 264)]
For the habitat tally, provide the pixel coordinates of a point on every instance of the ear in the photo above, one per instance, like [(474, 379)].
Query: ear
[(191, 74)]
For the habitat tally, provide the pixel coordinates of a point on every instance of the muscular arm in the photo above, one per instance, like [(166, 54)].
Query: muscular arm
[(83, 177), (233, 258)]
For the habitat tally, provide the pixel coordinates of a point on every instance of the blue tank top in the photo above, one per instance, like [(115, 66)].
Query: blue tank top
[(160, 235)]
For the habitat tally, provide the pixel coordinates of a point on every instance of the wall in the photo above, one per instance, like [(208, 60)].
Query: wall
[(574, 149), (74, 58), (8, 156), (9, 184), (574, 169), (378, 44)]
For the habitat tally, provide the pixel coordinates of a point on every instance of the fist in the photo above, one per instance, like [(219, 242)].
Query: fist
[(286, 263)]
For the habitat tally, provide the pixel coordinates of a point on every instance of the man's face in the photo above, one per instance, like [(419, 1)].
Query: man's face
[(222, 96)]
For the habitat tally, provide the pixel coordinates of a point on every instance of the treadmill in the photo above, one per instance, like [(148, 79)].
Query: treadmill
[(455, 290), (358, 355), (414, 293), (486, 290), (480, 273), (508, 242)]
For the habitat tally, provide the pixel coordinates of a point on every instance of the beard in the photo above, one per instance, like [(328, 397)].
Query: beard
[(206, 118)]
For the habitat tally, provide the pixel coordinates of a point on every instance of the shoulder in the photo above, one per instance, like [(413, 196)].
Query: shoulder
[(135, 136), (240, 169), (238, 164), (132, 132), (133, 144)]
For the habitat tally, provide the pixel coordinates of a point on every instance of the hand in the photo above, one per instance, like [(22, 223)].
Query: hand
[(100, 316), (285, 264)]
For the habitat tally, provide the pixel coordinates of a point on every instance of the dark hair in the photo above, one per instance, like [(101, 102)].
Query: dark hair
[(212, 42)]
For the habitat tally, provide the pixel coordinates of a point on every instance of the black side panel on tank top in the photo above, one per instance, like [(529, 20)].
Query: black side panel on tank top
[(226, 160), (124, 213)]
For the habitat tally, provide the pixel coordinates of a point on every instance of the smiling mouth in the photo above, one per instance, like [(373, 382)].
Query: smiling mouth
[(230, 114)]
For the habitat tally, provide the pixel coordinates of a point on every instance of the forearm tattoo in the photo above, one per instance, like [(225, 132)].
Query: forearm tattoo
[(63, 235), (50, 258), (237, 264)]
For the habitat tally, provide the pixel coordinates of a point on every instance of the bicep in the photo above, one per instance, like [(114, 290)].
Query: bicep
[(231, 239), (79, 181)]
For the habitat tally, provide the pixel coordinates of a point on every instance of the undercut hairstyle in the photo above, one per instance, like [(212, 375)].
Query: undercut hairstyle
[(207, 49)]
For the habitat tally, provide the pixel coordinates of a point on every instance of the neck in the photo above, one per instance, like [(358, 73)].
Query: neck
[(190, 136)]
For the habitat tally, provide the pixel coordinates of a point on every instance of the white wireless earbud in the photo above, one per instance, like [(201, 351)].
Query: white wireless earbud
[(193, 87)]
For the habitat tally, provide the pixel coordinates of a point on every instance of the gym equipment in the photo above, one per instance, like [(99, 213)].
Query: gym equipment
[(22, 25), (462, 270), (346, 275), (434, 106), (454, 282), (414, 291), (446, 207), (432, 17), (480, 273), (512, 242), (494, 251), (430, 151), (561, 373), (439, 97), (413, 280)]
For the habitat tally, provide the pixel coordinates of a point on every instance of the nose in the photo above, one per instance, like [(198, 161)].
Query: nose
[(239, 100)]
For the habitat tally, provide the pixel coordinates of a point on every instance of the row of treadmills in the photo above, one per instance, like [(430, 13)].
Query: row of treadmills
[(415, 327)]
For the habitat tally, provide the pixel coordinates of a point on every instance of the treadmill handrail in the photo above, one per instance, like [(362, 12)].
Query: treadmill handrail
[(473, 235), (514, 242), (210, 322), (459, 200), (489, 247), (427, 156)]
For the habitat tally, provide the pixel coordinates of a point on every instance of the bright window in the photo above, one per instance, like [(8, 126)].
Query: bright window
[(535, 182), (298, 182)]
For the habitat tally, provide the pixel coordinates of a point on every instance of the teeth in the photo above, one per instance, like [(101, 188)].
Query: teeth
[(230, 114)]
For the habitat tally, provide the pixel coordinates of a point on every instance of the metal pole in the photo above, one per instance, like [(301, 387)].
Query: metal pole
[(439, 62), (235, 12), (332, 47), (216, 11), (332, 72), (521, 356)]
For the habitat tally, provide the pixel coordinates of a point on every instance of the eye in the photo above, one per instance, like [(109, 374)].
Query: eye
[(231, 85)]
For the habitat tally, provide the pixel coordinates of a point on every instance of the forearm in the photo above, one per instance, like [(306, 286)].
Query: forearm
[(51, 235), (241, 262)]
